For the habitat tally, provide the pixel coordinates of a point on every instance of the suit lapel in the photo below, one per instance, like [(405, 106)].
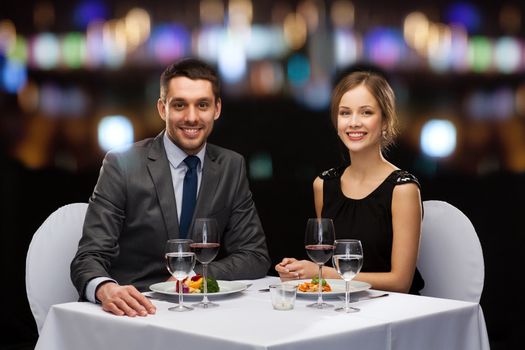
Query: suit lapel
[(160, 173), (210, 178)]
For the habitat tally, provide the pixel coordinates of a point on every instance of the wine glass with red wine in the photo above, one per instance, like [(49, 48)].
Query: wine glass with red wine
[(205, 246), (319, 245)]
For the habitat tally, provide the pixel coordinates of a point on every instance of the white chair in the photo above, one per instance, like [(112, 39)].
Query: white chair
[(450, 255), (52, 248)]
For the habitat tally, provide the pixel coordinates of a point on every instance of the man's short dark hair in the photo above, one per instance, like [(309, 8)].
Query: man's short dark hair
[(193, 69)]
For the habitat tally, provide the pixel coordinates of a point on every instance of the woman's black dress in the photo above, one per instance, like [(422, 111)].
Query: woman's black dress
[(368, 219)]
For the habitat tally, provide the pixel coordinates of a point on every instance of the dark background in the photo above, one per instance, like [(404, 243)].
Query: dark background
[(49, 161)]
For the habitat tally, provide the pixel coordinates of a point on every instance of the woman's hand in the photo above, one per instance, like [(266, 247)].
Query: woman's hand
[(292, 269)]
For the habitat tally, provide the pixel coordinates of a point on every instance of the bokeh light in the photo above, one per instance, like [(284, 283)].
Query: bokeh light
[(438, 138), (298, 70), (90, 11), (346, 48), (266, 78), (13, 75), (480, 54), (342, 14), (232, 59), (7, 35), (169, 42), (465, 14), (384, 46), (508, 55), (261, 166), (114, 131), (19, 51), (295, 31), (45, 51), (211, 12), (74, 50), (138, 27)]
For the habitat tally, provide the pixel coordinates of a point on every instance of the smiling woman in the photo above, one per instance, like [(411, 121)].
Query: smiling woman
[(369, 199)]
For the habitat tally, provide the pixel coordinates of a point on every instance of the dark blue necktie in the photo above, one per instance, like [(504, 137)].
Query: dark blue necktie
[(189, 195)]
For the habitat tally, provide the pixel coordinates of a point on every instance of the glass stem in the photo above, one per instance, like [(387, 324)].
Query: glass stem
[(180, 294), (347, 295), (320, 288), (205, 281)]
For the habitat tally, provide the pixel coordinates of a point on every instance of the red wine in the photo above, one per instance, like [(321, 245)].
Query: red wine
[(205, 252), (320, 253)]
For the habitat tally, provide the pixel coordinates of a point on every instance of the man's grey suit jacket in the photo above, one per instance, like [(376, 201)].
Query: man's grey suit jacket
[(132, 213)]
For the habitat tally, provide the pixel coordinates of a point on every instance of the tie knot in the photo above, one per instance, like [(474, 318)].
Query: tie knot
[(192, 162)]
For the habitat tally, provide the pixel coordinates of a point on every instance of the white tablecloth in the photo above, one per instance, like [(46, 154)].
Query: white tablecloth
[(247, 321)]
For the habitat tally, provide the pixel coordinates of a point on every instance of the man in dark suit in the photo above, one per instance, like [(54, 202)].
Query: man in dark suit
[(137, 203)]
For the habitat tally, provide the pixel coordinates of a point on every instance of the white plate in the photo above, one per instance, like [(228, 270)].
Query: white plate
[(338, 287), (225, 287)]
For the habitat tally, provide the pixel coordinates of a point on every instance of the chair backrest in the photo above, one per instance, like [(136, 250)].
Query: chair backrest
[(52, 248), (450, 255)]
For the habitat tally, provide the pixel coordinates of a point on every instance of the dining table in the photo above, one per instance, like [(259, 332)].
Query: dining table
[(247, 320)]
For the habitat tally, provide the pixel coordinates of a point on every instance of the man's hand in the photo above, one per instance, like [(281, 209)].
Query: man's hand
[(124, 300), (290, 268)]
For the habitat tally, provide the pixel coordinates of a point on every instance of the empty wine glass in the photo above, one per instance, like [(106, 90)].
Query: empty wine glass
[(180, 261), (319, 240), (205, 246), (347, 260)]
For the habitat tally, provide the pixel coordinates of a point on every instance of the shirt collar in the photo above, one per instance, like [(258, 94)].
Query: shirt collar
[(176, 156)]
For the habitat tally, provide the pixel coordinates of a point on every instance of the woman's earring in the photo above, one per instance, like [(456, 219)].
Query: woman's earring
[(384, 134)]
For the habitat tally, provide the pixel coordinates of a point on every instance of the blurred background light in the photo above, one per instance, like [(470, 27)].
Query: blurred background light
[(309, 10), (211, 12), (7, 35), (13, 75), (384, 46), (298, 70), (138, 27), (95, 44), (114, 43), (346, 48), (477, 104), (50, 100), (459, 49), (240, 14), (465, 14), (114, 131), (232, 59), (439, 47), (45, 51), (89, 11), (342, 14), (295, 30), (508, 55), (207, 42), (316, 94), (19, 51), (169, 42), (260, 166), (480, 54), (74, 50), (415, 31), (265, 42), (502, 102), (438, 138), (28, 97), (266, 78), (74, 102)]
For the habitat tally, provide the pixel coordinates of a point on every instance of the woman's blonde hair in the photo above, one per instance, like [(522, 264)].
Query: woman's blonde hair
[(382, 92)]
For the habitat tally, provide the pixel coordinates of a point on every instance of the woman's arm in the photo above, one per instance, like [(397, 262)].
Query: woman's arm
[(406, 225)]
